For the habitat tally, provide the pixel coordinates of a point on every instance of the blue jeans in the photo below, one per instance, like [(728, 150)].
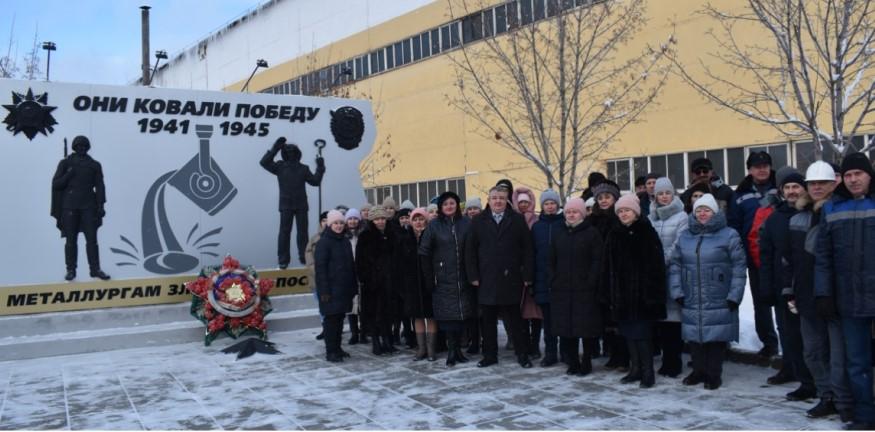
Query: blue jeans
[(824, 348), (858, 349)]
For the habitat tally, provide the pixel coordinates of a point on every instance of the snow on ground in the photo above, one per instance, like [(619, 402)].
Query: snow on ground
[(190, 386)]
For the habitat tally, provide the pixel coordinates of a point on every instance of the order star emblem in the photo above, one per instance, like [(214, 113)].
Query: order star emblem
[(29, 114), (235, 293)]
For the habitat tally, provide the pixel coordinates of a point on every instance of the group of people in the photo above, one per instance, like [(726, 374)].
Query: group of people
[(630, 277)]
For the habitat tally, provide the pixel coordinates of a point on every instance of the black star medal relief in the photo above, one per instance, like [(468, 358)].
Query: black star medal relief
[(29, 114)]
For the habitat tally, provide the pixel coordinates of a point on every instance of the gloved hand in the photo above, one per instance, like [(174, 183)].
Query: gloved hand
[(325, 298), (825, 307), (320, 162), (680, 301), (279, 143), (733, 306), (100, 211)]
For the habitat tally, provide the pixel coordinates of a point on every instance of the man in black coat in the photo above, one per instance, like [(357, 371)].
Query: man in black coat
[(78, 196), (774, 243), (499, 258), (292, 176)]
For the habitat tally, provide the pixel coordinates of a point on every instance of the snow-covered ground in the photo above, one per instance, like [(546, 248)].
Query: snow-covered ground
[(189, 386)]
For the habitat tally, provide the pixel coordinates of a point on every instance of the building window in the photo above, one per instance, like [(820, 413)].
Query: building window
[(539, 10), (472, 27), (513, 20), (500, 19), (525, 12), (390, 57), (640, 166), (658, 164), (375, 62), (435, 41), (426, 44), (406, 47), (417, 48), (399, 55), (618, 172), (488, 23), (735, 162), (676, 171)]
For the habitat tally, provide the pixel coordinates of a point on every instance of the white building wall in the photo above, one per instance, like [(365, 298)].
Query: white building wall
[(277, 31)]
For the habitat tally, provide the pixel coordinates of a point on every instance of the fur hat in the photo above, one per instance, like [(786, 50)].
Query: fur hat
[(628, 201), (550, 195), (707, 200), (759, 158), (377, 212), (334, 216), (366, 206)]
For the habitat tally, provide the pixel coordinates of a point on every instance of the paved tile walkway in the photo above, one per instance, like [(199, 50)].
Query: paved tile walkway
[(193, 387)]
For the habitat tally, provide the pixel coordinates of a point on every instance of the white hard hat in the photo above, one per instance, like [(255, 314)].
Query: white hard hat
[(820, 171)]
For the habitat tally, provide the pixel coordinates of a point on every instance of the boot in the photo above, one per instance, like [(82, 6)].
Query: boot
[(535, 340), (452, 347), (386, 344), (585, 365), (459, 356), (634, 365), (353, 329), (645, 358), (430, 346), (71, 274), (363, 337), (376, 349), (420, 347)]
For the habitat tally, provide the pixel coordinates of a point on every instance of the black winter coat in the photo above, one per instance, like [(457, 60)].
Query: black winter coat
[(603, 220), (77, 184), (635, 272), (335, 273), (798, 271), (774, 242), (411, 276), (500, 257), (292, 176), (442, 252), (574, 266), (375, 258)]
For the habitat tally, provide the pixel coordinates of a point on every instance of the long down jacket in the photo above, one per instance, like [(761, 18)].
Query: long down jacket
[(441, 252), (708, 268), (669, 221), (335, 273), (542, 233), (411, 275), (843, 263), (635, 273), (574, 262)]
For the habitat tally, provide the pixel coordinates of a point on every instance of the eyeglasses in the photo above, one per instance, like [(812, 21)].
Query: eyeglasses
[(701, 171)]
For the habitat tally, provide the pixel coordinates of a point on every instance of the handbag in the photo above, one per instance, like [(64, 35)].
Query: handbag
[(528, 307)]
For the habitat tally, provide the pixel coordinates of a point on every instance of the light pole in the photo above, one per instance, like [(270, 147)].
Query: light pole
[(260, 63), (159, 55), (49, 46)]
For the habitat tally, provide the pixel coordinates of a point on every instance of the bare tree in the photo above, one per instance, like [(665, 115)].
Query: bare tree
[(559, 91), (32, 60), (8, 65), (807, 72)]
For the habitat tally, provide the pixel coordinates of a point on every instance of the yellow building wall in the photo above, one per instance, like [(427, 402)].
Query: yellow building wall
[(432, 140)]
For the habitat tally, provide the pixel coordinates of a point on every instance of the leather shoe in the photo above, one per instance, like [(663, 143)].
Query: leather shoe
[(99, 274), (822, 409), (801, 394), (71, 274), (694, 378), (524, 361), (486, 362), (713, 383), (548, 360), (782, 377), (767, 351)]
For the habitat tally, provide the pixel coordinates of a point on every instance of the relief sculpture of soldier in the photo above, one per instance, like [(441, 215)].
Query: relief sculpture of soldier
[(292, 176), (78, 197)]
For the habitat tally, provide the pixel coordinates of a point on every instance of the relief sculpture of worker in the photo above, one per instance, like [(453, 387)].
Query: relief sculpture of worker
[(292, 176), (78, 197)]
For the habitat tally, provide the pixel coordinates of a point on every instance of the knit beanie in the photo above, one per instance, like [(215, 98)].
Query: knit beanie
[(549, 195), (407, 205), (377, 212), (606, 187), (334, 216), (353, 213), (628, 201), (389, 203), (523, 197), (403, 212), (663, 184), (576, 204), (783, 174), (473, 203), (857, 161), (707, 200)]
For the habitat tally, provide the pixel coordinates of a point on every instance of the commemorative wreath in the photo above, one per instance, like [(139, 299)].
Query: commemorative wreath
[(230, 299)]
